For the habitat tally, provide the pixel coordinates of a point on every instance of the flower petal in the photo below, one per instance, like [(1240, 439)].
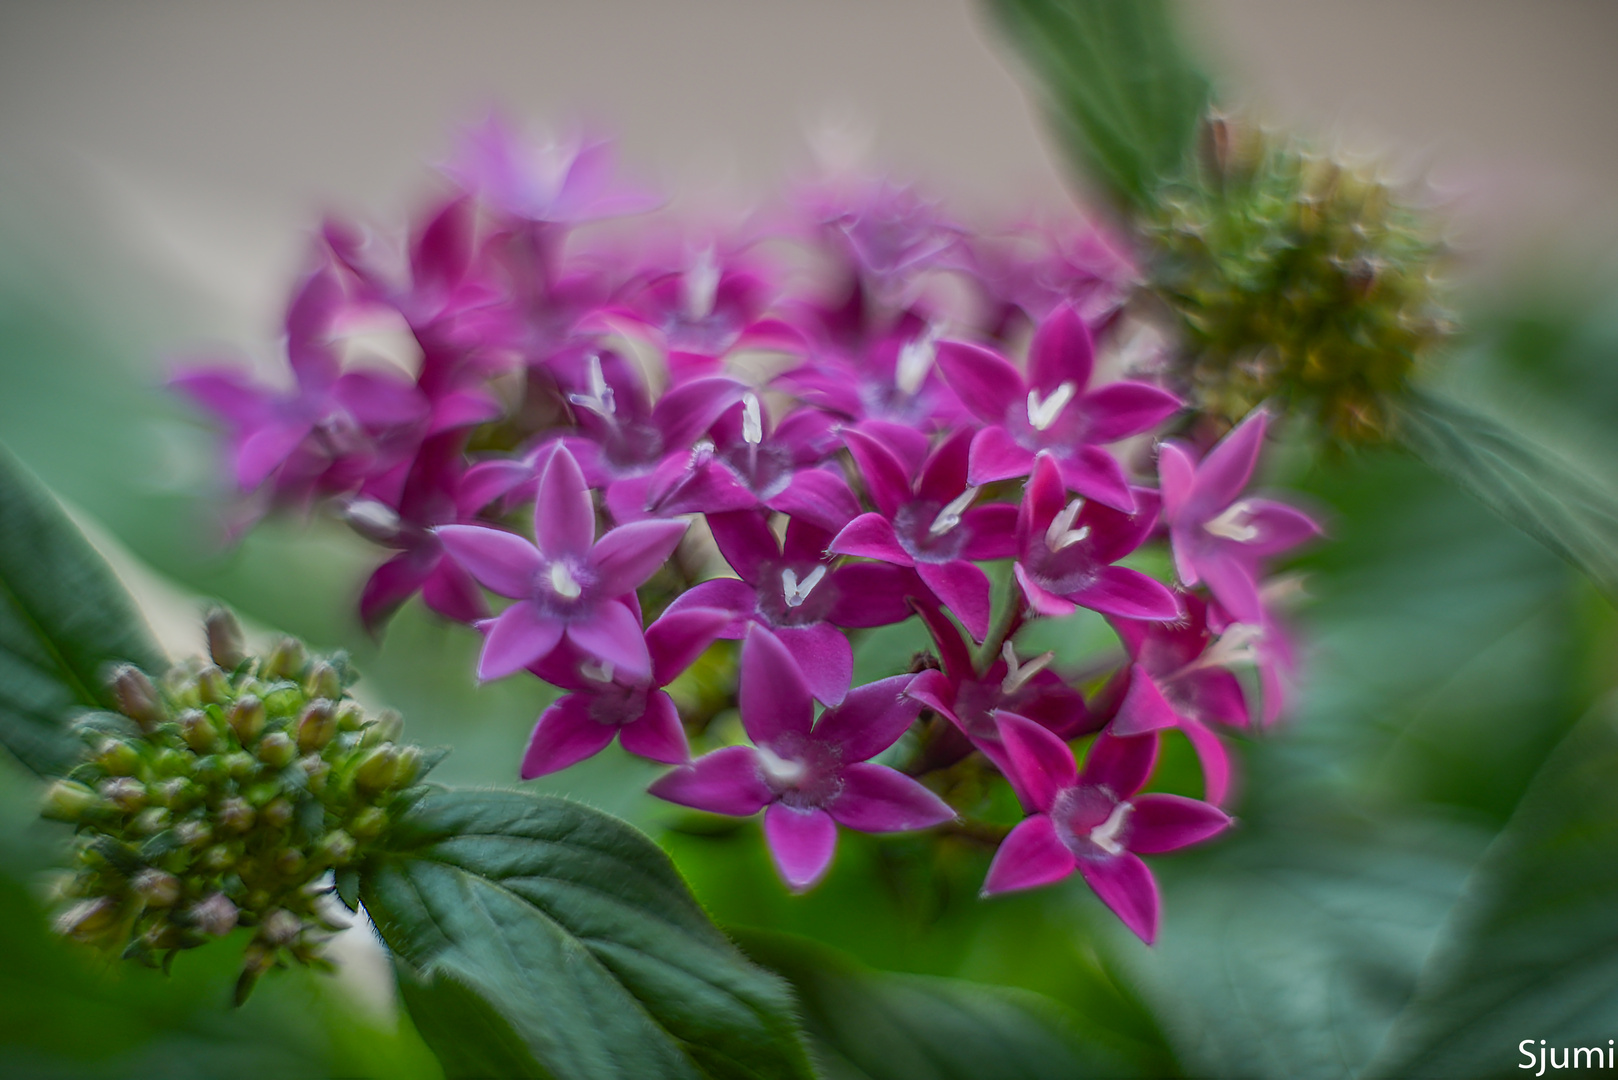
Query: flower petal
[(1093, 472), (870, 719), (985, 381), (1144, 707), (389, 586), (1040, 598), (872, 594), (1230, 577), (996, 456), (991, 532), (1175, 472), (658, 734), (626, 556), (1062, 351), (1280, 527), (886, 479), (1214, 759), (565, 735), (677, 638), (1042, 761), (1122, 764), (1227, 468), (1118, 590), (774, 697), (564, 517), (819, 496), (727, 781), (725, 594), (801, 842), (871, 536), (1125, 885), (963, 589), (612, 634), (518, 636), (502, 561), (943, 475), (1121, 409), (450, 591), (745, 540), (823, 656), (1169, 822), (875, 798), (1030, 856), (690, 409)]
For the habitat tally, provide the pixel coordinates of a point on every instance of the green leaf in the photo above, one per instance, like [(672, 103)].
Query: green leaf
[(1539, 494), (63, 618), (1123, 97), (1531, 951), (871, 1025), (577, 933)]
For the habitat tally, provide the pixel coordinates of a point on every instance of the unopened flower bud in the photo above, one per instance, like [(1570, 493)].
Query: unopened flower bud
[(277, 813), (283, 699), (290, 862), (277, 750), (315, 768), (150, 821), (378, 768), (350, 717), (368, 824), (212, 686), (260, 795), (219, 857), (136, 696), (409, 766), (178, 793), (127, 794), (240, 766), (387, 727), (280, 927), (215, 915), (213, 769), (172, 762), (235, 815), (317, 726), (117, 757), (156, 888), (193, 834), (68, 800), (323, 682), (287, 659), (246, 718), (88, 919), (225, 642), (336, 848)]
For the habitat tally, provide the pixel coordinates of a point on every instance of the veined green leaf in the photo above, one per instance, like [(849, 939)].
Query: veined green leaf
[(63, 618), (578, 937), (1123, 97)]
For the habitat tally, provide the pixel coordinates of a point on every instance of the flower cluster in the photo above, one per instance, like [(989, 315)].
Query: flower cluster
[(224, 795), (866, 408)]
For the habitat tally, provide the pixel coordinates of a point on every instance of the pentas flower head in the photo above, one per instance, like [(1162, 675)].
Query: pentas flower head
[(1066, 548), (567, 583), (1093, 821), (605, 702), (1220, 537), (893, 378), (808, 775), (1053, 410), (562, 181)]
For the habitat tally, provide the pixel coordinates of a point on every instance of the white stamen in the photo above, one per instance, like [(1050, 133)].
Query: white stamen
[(701, 452), (778, 770), (599, 400), (915, 360), (1105, 835), (950, 516), (700, 284), (373, 518), (600, 671), (1043, 413), (563, 583), (1017, 675), (796, 592), (752, 420), (1233, 524), (1061, 533), (1237, 645)]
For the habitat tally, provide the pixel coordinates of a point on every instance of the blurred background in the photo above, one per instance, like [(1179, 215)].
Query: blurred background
[(162, 165)]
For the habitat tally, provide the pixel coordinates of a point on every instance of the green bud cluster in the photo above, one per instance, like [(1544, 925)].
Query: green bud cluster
[(1299, 278), (227, 793)]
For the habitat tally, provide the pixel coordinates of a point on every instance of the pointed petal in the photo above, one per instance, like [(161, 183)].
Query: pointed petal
[(1121, 591), (658, 735), (871, 536), (726, 594), (1116, 533), (964, 590), (1125, 884), (870, 719), (992, 532), (1062, 351), (626, 556), (450, 591), (1144, 708), (1042, 762), (230, 395), (1121, 409), (1228, 467), (564, 518), (378, 401), (389, 586), (774, 696), (875, 798), (1121, 764), (819, 496), (1217, 695), (1230, 578), (886, 479), (934, 690), (745, 540), (996, 456), (801, 842), (677, 638), (1175, 471), (1094, 473), (1042, 599), (985, 381), (565, 735), (487, 481), (1214, 759), (1042, 499), (1030, 856), (612, 634), (872, 594), (1280, 527), (943, 476), (804, 542), (823, 656), (727, 781), (502, 561), (1169, 822), (690, 409), (519, 636), (265, 450)]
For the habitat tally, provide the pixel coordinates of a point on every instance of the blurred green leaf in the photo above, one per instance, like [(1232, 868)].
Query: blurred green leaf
[(1546, 498), (1531, 951), (1124, 98), (578, 934), (63, 618), (469, 1035), (869, 1025)]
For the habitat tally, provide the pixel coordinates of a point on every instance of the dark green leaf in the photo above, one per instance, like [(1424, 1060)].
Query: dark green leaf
[(1531, 951), (870, 1025), (1124, 99), (472, 1040), (63, 618), (1541, 495), (579, 934)]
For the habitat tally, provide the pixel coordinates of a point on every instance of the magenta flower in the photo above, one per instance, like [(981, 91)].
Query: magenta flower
[(564, 181), (1219, 537), (811, 775), (795, 590), (604, 702), (568, 583), (1066, 548), (929, 523), (893, 379), (1053, 411), (1093, 821)]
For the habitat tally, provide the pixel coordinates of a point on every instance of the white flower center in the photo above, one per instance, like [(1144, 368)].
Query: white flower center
[(699, 285), (373, 517), (950, 516), (796, 592), (779, 771), (1042, 413), (1061, 533), (563, 583), (1234, 523), (915, 360), (599, 400), (1105, 835), (1237, 645), (1017, 675), (752, 420), (600, 671)]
